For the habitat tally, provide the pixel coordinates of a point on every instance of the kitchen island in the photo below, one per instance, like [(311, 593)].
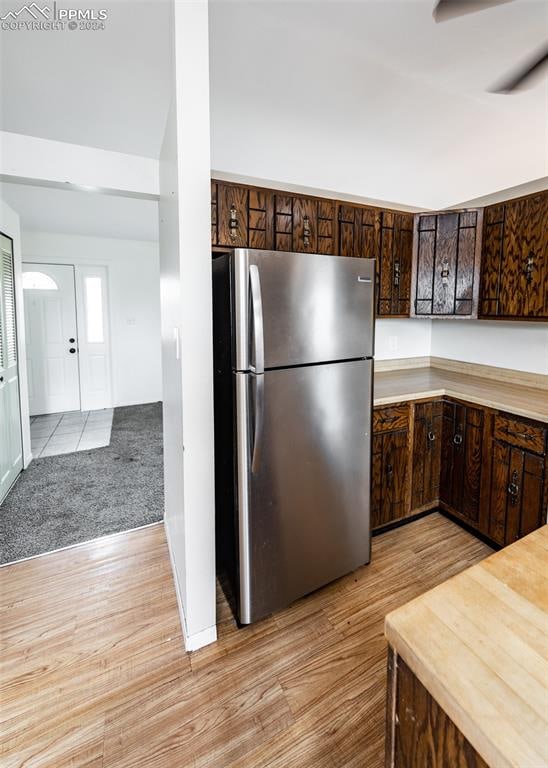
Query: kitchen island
[(468, 666)]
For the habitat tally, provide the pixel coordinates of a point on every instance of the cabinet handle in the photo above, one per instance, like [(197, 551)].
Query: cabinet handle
[(524, 435), (445, 274), (431, 437), (396, 274), (513, 488), (306, 231), (389, 469), (457, 439), (529, 269), (233, 222)]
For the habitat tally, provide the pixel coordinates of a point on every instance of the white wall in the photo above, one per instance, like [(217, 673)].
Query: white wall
[(402, 338), (134, 292), (60, 163), (517, 345), (10, 226), (187, 352)]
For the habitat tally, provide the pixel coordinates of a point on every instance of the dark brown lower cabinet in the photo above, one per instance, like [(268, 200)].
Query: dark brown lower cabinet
[(462, 460), (390, 465), (425, 488), (419, 733), (518, 482), (483, 467)]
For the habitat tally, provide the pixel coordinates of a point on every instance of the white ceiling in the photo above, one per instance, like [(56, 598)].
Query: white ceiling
[(375, 99), (42, 209), (105, 88), (366, 98)]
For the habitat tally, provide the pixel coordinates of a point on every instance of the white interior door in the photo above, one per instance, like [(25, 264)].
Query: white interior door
[(52, 338), (11, 450)]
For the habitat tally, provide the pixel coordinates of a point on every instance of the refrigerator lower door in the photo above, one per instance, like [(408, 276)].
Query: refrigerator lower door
[(303, 477)]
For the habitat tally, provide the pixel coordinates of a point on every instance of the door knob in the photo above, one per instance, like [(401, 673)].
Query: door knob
[(72, 350)]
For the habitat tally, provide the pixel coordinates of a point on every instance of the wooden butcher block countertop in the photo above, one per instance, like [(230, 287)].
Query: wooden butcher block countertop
[(416, 383), (479, 645)]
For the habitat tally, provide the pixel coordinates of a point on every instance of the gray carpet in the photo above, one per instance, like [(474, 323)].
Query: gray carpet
[(67, 499)]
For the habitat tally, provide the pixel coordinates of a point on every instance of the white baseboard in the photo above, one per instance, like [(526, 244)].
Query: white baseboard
[(205, 637)]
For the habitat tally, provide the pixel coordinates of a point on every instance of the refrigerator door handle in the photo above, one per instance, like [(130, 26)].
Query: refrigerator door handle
[(244, 545), (257, 309), (258, 381)]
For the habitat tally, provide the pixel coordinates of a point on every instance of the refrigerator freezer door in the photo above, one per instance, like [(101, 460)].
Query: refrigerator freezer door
[(303, 480), (301, 308)]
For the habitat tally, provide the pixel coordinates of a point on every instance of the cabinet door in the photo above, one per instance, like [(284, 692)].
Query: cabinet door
[(515, 258), (517, 493), (304, 225), (491, 259), (462, 445), (426, 454), (389, 477), (535, 256), (359, 228), (232, 215), (214, 188), (261, 218), (394, 269), (512, 301), (447, 255)]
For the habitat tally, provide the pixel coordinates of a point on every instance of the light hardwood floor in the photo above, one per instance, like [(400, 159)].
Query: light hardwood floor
[(94, 674)]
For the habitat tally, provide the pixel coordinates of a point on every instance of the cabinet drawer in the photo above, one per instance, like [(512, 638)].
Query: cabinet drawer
[(393, 417), (519, 433)]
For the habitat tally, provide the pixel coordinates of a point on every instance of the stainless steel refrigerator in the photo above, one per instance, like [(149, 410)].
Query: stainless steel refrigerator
[(293, 341)]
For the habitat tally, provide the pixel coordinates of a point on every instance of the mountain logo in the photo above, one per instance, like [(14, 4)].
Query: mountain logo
[(33, 9)]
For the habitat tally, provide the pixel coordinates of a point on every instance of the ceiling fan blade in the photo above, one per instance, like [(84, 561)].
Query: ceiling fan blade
[(522, 76), (446, 10)]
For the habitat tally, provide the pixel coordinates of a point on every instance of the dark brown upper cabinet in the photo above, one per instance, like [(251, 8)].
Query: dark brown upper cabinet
[(394, 264), (447, 248), (387, 237), (241, 216), (304, 225), (359, 231), (514, 274)]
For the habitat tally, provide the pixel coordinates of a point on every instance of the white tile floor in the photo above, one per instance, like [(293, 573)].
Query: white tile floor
[(58, 433)]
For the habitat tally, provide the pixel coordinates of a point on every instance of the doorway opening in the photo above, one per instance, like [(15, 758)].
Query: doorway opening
[(68, 357), (90, 344)]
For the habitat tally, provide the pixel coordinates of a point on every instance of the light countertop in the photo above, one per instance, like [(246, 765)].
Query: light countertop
[(479, 645), (418, 383)]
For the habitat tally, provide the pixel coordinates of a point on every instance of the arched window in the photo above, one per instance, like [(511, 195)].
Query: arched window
[(38, 281)]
